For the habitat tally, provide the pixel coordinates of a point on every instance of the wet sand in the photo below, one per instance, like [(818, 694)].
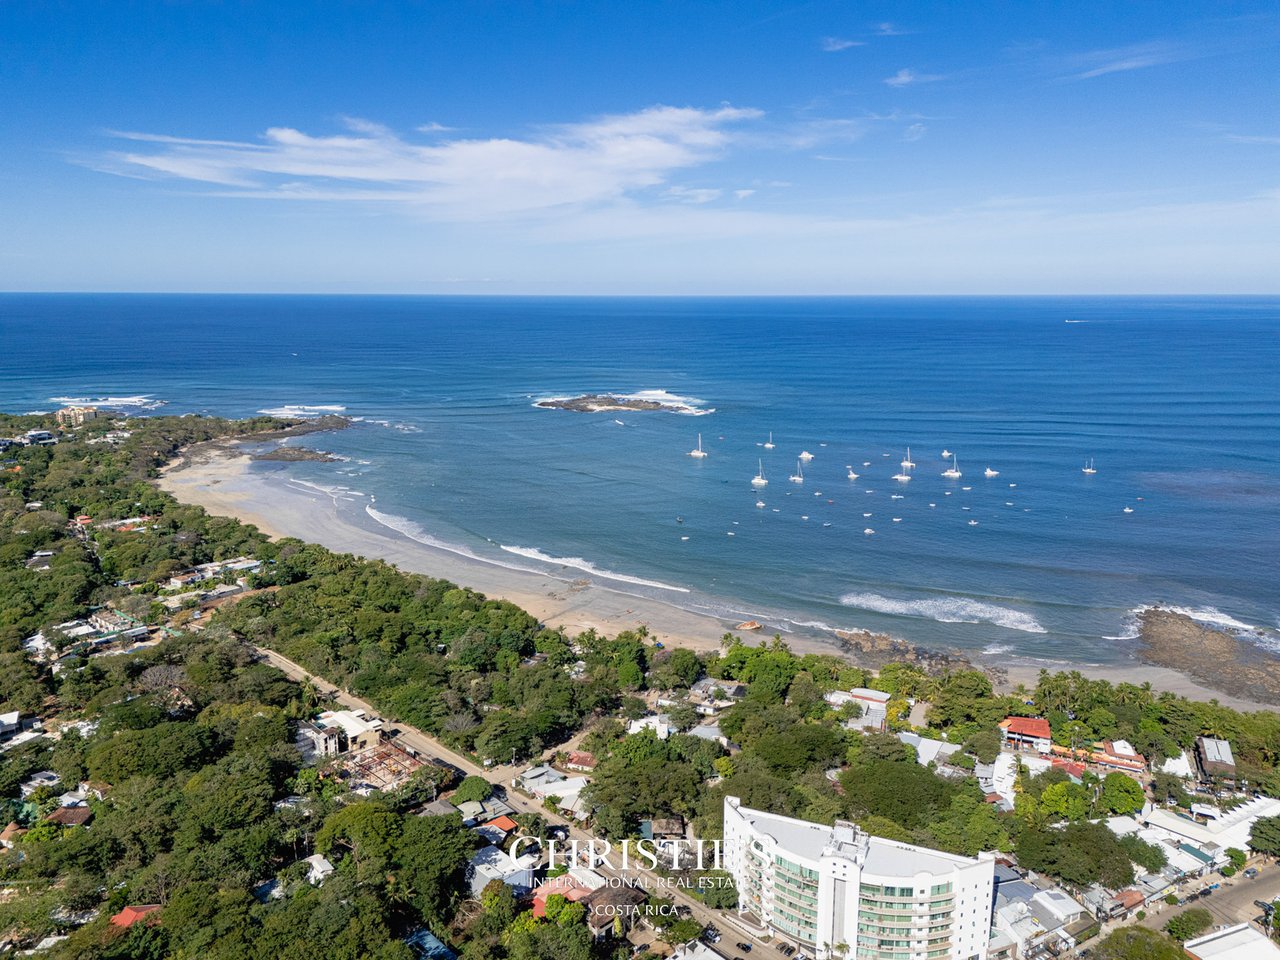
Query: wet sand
[(217, 476)]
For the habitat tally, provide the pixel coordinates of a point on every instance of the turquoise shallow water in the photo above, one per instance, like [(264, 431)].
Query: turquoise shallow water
[(1177, 401)]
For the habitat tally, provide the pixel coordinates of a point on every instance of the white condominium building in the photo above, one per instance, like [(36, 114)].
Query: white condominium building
[(846, 894)]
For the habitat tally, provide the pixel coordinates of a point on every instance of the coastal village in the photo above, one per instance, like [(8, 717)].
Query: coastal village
[(1197, 831)]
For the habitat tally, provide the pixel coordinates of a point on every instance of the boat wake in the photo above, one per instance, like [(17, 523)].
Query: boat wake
[(946, 610), (577, 563)]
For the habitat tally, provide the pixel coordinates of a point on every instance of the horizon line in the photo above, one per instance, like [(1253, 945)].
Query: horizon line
[(627, 296)]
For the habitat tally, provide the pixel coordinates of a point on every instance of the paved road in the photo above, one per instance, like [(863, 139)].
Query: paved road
[(427, 746), (1230, 904)]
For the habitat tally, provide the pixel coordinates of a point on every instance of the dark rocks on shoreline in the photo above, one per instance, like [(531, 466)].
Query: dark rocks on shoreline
[(296, 455), (601, 402), (233, 446), (1217, 658), (301, 427), (875, 650)]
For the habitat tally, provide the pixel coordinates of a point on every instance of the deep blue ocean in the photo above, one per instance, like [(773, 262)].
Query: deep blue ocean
[(1175, 400)]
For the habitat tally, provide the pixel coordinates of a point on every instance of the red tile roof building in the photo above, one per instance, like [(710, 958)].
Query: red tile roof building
[(565, 885), (131, 915), (1030, 732), (1130, 899), (10, 834), (1027, 728), (71, 816)]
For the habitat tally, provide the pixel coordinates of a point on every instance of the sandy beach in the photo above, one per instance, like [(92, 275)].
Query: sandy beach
[(218, 477)]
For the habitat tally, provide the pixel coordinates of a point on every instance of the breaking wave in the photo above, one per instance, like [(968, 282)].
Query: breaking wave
[(946, 610), (414, 531), (1210, 616), (345, 493), (140, 402), (671, 402), (577, 563), (302, 410), (390, 424)]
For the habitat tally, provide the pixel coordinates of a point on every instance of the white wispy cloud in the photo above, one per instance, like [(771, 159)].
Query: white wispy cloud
[(1137, 56), (694, 194), (571, 165), (836, 44), (1246, 138), (914, 132), (742, 194), (906, 76), (889, 30)]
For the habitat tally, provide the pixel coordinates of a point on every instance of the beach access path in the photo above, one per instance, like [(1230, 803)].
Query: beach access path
[(500, 776)]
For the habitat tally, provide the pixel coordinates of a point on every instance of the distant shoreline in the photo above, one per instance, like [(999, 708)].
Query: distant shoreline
[(217, 477)]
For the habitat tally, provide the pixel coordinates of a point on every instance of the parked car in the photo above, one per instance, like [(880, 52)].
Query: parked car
[(744, 947), (1251, 873)]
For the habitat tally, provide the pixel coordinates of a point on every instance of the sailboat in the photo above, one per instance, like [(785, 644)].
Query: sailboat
[(758, 480), (798, 476), (1088, 467), (699, 453), (990, 473), (806, 456), (953, 472), (852, 475), (902, 477), (769, 445), (907, 462)]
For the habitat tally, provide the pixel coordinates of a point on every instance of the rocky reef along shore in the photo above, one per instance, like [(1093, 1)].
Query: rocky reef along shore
[(612, 402), (296, 455), (874, 650), (1220, 659)]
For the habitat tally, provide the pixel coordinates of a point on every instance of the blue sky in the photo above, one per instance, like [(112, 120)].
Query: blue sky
[(640, 147)]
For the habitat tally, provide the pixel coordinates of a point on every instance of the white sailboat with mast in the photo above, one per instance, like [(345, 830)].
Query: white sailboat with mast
[(758, 480), (699, 453), (953, 471), (798, 476)]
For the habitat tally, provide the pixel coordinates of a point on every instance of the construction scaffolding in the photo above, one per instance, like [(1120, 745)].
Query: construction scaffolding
[(384, 767)]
